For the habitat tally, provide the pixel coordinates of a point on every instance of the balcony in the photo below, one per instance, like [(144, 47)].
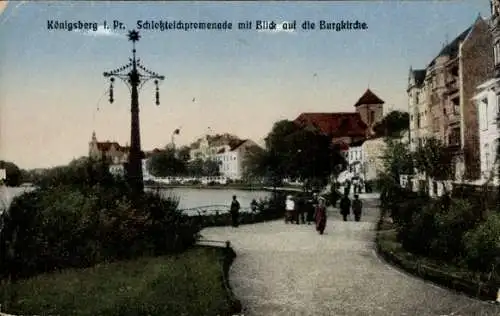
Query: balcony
[(452, 86), (453, 119), (497, 71), (434, 98)]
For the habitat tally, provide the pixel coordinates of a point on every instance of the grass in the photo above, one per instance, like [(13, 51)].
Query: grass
[(185, 284)]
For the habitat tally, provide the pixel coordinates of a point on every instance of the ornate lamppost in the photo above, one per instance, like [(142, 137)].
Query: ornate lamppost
[(134, 80)]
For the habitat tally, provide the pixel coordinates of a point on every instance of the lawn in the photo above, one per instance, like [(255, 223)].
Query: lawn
[(185, 284)]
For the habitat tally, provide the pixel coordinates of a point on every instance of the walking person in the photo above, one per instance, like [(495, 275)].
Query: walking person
[(320, 216), (357, 207), (310, 205), (300, 205), (345, 206), (235, 210), (289, 209), (253, 206)]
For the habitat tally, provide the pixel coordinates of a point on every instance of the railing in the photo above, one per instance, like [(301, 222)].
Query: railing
[(213, 210)]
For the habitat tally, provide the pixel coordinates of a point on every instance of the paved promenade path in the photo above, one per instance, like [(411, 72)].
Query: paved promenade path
[(290, 270)]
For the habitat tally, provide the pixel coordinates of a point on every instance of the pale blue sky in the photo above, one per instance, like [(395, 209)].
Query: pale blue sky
[(243, 81)]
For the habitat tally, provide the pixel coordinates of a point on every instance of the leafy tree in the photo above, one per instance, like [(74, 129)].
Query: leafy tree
[(13, 173), (296, 153), (433, 160), (252, 164), (393, 124), (195, 167), (211, 168), (183, 154), (397, 160), (165, 164)]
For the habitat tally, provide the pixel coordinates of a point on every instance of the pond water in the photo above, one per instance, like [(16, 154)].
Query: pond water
[(192, 198), (188, 198)]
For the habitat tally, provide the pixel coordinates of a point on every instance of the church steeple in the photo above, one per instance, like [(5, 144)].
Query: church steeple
[(94, 138)]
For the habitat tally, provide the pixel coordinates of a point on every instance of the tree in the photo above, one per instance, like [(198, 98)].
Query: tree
[(13, 173), (195, 167), (183, 154), (309, 157), (393, 124), (252, 166), (296, 153), (211, 168), (397, 159), (434, 160), (165, 164)]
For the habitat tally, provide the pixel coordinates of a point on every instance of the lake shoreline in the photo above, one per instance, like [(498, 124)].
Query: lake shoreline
[(219, 187)]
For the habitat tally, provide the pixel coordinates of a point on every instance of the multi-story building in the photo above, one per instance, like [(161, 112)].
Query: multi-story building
[(232, 157), (418, 108), (487, 101), (441, 103), (495, 30), (355, 158), (227, 149), (373, 162), (207, 147), (110, 151), (488, 109), (347, 127)]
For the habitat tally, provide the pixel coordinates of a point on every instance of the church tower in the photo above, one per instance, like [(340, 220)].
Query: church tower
[(371, 108), (93, 149)]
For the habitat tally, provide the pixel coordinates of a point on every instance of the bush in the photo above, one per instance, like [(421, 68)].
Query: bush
[(482, 245), (417, 235), (60, 227), (451, 225), (435, 228)]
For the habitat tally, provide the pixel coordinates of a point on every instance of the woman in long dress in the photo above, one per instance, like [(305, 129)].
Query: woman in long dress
[(320, 216)]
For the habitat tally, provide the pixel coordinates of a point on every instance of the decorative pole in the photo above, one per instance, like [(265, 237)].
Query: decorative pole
[(135, 80)]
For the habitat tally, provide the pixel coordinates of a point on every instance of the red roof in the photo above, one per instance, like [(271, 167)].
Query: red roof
[(369, 98), (334, 124)]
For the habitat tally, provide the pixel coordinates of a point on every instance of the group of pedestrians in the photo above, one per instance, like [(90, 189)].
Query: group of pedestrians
[(315, 210), (346, 205), (301, 210)]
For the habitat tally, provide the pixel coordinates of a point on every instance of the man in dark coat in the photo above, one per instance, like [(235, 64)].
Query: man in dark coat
[(345, 207), (357, 207), (235, 210)]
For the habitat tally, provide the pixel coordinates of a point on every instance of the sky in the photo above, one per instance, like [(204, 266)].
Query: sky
[(53, 94)]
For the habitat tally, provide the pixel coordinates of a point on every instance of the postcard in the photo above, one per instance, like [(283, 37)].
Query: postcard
[(249, 158)]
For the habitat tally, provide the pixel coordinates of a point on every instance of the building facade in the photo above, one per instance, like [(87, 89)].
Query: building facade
[(487, 103), (440, 97), (355, 159), (347, 127), (373, 163), (209, 145), (418, 108), (231, 158), (110, 151), (495, 31)]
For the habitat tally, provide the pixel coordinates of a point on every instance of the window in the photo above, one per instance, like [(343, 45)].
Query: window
[(498, 104), (372, 117), (417, 98), (454, 137), (484, 104), (486, 157), (496, 52)]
